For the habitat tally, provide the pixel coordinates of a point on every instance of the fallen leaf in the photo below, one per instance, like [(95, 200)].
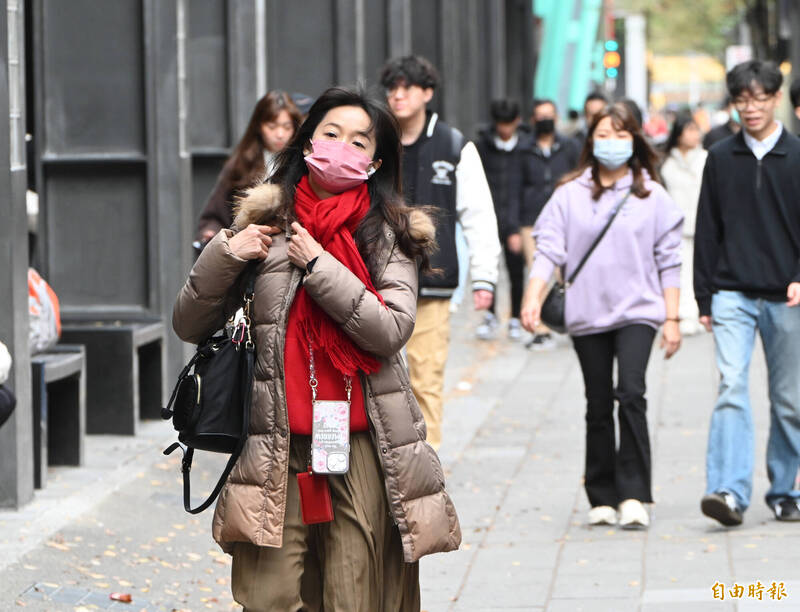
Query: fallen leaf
[(123, 597), (56, 545), (124, 583)]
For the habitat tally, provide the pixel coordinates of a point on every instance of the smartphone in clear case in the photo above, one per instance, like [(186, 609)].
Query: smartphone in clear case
[(330, 437)]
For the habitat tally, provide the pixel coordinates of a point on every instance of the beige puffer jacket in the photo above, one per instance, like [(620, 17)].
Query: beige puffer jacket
[(252, 504)]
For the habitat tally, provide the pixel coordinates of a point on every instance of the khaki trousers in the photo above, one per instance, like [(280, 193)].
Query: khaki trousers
[(427, 355), (352, 564)]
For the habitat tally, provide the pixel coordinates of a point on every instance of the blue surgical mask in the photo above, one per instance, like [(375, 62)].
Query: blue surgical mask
[(613, 153), (735, 116)]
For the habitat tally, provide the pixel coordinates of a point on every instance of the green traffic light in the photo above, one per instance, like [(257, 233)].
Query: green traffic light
[(612, 45)]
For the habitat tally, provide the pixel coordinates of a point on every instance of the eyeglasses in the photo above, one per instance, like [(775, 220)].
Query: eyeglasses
[(758, 102)]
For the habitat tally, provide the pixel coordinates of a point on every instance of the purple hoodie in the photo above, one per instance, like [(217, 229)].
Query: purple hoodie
[(624, 279)]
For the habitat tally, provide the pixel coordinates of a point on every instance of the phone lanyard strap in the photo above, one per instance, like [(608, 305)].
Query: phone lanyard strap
[(314, 383)]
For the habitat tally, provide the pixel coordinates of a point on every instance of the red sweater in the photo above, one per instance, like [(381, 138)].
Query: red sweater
[(330, 384)]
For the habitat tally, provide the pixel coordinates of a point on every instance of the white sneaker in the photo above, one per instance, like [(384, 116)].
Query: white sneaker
[(487, 329), (633, 515), (514, 330), (602, 515)]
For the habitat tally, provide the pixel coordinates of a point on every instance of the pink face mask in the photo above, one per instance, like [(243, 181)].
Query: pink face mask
[(337, 166)]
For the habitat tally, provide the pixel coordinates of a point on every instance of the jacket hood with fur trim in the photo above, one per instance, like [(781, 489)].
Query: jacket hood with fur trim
[(263, 203)]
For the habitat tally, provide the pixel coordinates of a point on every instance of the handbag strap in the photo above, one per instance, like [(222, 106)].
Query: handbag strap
[(188, 453), (251, 271), (597, 240)]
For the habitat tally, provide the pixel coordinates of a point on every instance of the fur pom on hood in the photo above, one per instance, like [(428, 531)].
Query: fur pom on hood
[(262, 204)]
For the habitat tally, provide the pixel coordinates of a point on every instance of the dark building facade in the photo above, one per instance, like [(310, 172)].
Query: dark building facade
[(133, 105)]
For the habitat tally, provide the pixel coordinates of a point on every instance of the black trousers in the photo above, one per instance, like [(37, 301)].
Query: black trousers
[(614, 474), (515, 264)]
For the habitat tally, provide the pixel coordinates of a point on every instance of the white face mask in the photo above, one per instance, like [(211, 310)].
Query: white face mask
[(613, 153)]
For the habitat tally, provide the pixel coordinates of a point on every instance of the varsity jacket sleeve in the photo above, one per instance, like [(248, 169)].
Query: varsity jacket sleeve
[(707, 240), (476, 215)]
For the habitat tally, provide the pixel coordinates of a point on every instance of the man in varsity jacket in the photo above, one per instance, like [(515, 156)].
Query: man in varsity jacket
[(441, 169)]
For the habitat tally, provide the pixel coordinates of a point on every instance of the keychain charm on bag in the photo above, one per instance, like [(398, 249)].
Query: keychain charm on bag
[(330, 433)]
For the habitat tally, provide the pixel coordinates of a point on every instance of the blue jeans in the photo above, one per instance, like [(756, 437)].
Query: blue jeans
[(729, 461)]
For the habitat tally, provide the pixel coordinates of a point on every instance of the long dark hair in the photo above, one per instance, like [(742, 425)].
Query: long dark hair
[(681, 121), (643, 158), (247, 160), (384, 186)]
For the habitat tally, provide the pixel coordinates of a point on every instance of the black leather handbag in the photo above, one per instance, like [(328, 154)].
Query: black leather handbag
[(552, 313), (210, 404)]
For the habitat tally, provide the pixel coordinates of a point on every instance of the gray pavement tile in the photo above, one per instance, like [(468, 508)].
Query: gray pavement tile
[(597, 604), (690, 607), (69, 595), (500, 590), (586, 582)]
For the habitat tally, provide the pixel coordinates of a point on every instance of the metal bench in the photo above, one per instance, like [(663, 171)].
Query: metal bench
[(125, 372), (58, 378)]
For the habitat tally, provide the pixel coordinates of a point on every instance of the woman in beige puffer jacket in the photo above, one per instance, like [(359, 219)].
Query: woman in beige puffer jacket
[(328, 567)]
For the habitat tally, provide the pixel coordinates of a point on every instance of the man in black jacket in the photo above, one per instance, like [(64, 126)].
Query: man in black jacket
[(550, 158), (747, 278), (442, 169), (500, 147)]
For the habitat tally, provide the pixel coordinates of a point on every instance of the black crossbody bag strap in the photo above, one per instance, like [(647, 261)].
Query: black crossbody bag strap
[(597, 240), (188, 453)]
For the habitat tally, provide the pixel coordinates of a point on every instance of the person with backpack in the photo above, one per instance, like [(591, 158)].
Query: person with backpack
[(500, 147), (441, 169), (551, 157), (614, 219), (747, 280), (335, 300)]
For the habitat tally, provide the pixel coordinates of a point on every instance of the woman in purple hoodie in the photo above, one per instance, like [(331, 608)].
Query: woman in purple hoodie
[(628, 288)]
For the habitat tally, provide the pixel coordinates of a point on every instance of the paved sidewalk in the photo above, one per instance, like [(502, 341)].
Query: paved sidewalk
[(513, 451)]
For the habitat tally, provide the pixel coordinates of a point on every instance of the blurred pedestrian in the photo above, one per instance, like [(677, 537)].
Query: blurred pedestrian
[(682, 173), (274, 121), (500, 146), (441, 168), (595, 102), (550, 158), (727, 124), (628, 287), (794, 96), (335, 301), (636, 112), (747, 280)]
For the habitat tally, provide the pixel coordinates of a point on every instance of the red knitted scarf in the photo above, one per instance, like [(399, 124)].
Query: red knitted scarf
[(332, 222)]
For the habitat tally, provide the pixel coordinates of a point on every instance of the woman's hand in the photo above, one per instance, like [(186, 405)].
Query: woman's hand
[(532, 304), (671, 338), (253, 242), (302, 246)]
